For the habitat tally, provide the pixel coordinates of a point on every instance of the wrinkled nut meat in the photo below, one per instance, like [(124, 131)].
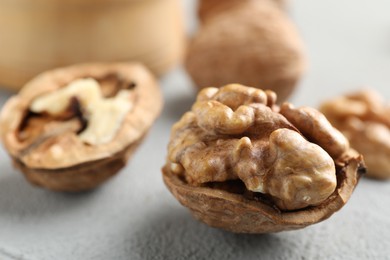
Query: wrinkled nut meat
[(365, 120), (242, 163), (72, 128)]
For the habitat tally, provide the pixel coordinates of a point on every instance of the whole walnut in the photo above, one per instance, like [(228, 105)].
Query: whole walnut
[(364, 119), (251, 42), (240, 162)]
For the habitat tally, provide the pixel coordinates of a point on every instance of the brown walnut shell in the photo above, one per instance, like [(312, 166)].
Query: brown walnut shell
[(81, 166), (250, 42), (237, 213)]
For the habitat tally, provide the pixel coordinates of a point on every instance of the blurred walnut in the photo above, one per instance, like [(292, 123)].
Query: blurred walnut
[(365, 120), (251, 42), (239, 148), (70, 129), (209, 8)]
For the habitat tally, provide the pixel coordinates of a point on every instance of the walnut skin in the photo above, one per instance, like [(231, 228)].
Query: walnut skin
[(364, 119), (208, 8), (236, 138), (251, 42), (58, 141)]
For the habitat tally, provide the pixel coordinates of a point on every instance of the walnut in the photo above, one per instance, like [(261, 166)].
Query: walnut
[(250, 42), (364, 119), (70, 129), (242, 163)]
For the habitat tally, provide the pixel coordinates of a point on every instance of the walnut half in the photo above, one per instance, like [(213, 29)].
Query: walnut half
[(72, 128), (242, 163)]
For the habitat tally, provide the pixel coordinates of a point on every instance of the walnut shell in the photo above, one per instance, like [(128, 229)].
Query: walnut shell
[(236, 213), (56, 158), (250, 42)]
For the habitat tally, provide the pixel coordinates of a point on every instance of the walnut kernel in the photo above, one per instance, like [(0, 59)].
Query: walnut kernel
[(364, 119), (105, 115)]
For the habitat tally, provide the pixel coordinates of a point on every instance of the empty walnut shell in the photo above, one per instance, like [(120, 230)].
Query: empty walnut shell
[(48, 150), (224, 170)]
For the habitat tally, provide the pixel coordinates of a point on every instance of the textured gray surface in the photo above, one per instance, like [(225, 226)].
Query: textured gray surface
[(134, 217)]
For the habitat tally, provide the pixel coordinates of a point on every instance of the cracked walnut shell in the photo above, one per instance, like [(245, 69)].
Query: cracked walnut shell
[(72, 128), (240, 162), (364, 119)]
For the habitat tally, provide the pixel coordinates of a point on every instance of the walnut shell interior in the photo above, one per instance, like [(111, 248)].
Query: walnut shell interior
[(238, 212), (47, 148)]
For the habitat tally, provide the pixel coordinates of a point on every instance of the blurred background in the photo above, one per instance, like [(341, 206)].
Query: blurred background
[(133, 216)]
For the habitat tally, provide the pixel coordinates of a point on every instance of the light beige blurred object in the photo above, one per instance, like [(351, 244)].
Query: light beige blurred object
[(42, 34), (364, 119), (282, 3), (251, 42)]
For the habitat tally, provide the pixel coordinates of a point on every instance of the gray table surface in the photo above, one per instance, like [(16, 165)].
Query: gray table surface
[(133, 216)]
